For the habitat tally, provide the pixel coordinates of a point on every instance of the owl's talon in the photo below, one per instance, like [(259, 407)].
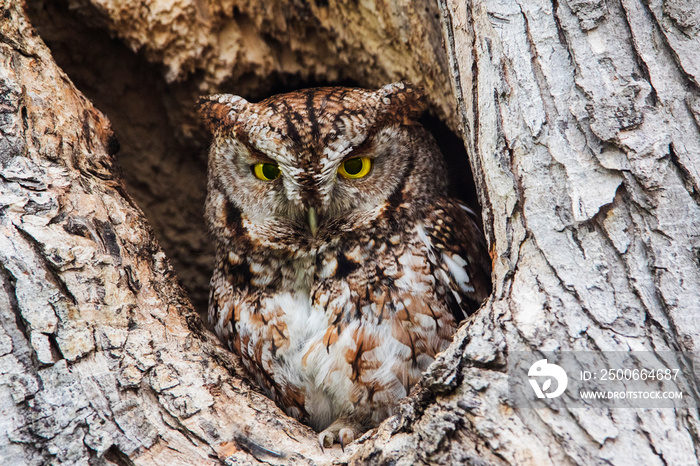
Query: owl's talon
[(325, 439), (342, 432), (345, 437)]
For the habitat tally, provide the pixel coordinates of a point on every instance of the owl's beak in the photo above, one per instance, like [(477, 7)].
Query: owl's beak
[(312, 217)]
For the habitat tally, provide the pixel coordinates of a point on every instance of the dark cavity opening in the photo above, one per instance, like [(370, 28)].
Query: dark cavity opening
[(162, 146), (164, 169)]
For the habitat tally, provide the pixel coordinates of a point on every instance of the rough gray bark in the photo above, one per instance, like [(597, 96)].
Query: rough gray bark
[(581, 121)]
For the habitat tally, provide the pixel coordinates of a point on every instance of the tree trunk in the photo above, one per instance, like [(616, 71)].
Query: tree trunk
[(581, 124)]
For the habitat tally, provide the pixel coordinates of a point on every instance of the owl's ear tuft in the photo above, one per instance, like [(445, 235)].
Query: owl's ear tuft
[(402, 100), (220, 110)]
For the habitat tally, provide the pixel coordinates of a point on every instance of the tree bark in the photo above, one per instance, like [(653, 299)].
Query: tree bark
[(581, 122)]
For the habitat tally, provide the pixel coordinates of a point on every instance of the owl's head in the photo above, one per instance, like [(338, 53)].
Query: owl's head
[(309, 164)]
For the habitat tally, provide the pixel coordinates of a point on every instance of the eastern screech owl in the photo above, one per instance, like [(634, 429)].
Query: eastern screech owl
[(342, 264)]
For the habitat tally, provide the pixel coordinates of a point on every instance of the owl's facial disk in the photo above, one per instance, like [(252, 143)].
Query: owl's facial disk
[(307, 191), (314, 160)]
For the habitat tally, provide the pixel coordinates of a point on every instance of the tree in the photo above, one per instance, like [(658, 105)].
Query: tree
[(581, 125)]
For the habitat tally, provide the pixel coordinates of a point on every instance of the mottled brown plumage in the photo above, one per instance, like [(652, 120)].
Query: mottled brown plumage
[(337, 293)]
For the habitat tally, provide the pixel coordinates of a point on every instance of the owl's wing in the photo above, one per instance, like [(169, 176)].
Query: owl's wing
[(460, 256)]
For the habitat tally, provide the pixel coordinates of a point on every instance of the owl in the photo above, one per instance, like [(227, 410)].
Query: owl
[(343, 267)]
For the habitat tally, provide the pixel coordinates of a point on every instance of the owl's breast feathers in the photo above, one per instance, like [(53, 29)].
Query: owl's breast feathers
[(348, 327)]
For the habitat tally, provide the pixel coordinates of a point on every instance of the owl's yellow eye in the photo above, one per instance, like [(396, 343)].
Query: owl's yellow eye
[(266, 171), (357, 167)]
